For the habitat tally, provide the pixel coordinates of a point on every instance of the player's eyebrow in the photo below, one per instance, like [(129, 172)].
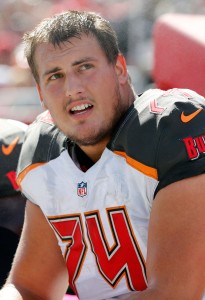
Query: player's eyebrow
[(83, 60), (75, 63)]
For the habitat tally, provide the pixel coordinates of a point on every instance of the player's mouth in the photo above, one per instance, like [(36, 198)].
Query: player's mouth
[(78, 109)]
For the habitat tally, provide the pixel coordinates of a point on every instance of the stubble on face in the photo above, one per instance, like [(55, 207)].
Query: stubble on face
[(104, 131)]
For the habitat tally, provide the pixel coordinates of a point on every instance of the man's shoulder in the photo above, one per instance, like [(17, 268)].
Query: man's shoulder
[(43, 142), (174, 106), (155, 128), (162, 103)]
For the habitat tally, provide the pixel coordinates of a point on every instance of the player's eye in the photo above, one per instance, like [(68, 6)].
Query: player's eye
[(85, 67), (55, 76)]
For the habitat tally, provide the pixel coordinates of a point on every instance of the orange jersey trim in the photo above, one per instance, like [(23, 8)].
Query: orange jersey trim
[(26, 171), (149, 171)]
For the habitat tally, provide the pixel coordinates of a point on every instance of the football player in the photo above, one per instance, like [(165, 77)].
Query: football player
[(115, 181), (12, 202)]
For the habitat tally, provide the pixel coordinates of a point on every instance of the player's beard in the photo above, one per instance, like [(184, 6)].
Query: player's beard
[(105, 130)]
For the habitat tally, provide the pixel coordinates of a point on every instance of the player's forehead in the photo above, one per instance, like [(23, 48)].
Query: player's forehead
[(70, 51), (82, 42)]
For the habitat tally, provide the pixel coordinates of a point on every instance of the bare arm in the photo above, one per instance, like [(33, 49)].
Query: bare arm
[(176, 246), (39, 270)]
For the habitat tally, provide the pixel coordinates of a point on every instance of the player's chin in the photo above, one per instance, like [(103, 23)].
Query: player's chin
[(88, 139)]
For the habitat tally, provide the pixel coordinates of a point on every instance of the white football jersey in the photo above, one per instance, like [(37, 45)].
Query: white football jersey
[(101, 216)]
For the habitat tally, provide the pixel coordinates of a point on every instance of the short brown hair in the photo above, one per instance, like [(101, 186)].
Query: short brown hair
[(61, 27)]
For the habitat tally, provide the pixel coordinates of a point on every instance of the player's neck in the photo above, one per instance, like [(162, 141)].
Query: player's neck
[(94, 152)]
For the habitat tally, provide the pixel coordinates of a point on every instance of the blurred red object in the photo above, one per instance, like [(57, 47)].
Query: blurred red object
[(8, 41), (179, 52)]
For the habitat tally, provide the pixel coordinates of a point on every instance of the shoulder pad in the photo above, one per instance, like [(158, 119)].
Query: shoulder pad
[(43, 142)]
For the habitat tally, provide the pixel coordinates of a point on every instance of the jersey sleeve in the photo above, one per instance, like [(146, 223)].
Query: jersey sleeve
[(181, 142)]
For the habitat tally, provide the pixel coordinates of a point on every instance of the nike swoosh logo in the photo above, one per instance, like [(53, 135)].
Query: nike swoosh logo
[(7, 150), (188, 118)]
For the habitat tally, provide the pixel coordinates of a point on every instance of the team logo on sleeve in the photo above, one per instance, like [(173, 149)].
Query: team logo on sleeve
[(82, 189), (155, 108), (195, 146)]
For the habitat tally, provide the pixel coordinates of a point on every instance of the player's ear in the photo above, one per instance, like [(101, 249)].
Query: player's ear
[(121, 69), (40, 95)]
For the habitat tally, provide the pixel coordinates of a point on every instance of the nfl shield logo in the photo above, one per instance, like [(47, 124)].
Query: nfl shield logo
[(82, 189)]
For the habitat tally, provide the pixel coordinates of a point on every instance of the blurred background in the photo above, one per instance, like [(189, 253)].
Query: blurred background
[(133, 21)]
